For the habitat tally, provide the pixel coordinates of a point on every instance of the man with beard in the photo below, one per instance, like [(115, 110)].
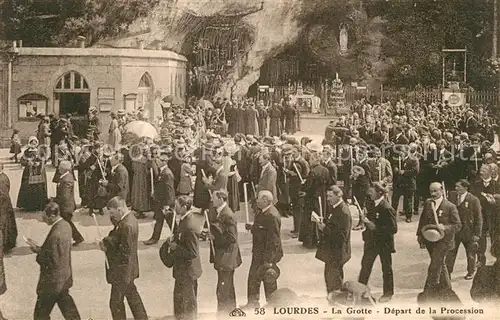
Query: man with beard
[(335, 241)]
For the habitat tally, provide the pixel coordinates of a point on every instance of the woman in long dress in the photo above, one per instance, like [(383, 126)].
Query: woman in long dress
[(115, 136), (5, 210), (140, 197), (33, 190)]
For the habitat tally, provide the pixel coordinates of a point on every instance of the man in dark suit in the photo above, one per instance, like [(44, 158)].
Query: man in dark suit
[(268, 176), (123, 264), (267, 250), (335, 241), (484, 190), (438, 279), (381, 225), (217, 178), (314, 189), (164, 197), (469, 210), (187, 265), (227, 256), (65, 198), (118, 183), (405, 181), (56, 276)]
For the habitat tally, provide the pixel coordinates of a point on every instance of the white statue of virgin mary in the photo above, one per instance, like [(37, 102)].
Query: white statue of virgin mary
[(343, 38)]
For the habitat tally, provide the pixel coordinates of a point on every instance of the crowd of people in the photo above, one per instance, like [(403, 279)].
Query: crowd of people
[(208, 161)]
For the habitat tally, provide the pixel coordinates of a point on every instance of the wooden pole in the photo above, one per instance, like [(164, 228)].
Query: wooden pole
[(494, 50)]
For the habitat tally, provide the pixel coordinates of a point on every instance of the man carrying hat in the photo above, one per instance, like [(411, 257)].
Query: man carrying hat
[(438, 237), (267, 249)]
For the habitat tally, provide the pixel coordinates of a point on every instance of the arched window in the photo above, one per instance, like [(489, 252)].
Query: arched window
[(31, 105), (145, 81), (72, 82)]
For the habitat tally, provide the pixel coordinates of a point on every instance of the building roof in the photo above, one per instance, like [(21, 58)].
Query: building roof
[(105, 52)]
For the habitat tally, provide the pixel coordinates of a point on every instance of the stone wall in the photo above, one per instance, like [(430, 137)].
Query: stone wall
[(37, 71)]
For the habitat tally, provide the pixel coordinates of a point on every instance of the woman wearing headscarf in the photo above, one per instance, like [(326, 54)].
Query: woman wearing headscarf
[(33, 190)]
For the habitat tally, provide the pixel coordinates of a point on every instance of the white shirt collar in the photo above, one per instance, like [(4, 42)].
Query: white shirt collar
[(462, 197), (267, 208), (338, 203), (58, 219), (487, 181), (438, 202), (63, 175), (378, 201), (185, 215), (219, 209), (266, 166), (126, 214), (114, 168)]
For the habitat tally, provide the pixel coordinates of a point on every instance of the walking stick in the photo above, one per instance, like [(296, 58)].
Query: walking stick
[(209, 240), (100, 238), (245, 192), (298, 173), (205, 176)]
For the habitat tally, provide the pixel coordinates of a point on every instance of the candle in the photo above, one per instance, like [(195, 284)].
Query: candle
[(245, 192)]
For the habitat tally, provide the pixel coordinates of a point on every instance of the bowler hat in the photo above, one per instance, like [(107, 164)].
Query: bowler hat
[(432, 233), (269, 274)]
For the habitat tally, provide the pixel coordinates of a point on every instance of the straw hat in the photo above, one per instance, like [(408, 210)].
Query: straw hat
[(231, 147), (358, 170), (432, 233)]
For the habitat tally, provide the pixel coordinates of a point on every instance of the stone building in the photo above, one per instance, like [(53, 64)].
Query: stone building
[(63, 81)]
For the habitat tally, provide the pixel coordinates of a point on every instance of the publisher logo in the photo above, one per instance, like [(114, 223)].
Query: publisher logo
[(237, 313)]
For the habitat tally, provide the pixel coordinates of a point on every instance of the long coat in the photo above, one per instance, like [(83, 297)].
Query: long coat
[(274, 122), (251, 123), (118, 182), (447, 215), (65, 195), (187, 263), (227, 256), (266, 238), (385, 220), (470, 215), (267, 181), (54, 259), (121, 251), (335, 239)]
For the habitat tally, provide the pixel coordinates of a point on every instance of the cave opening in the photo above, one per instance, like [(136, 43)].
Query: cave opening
[(213, 48)]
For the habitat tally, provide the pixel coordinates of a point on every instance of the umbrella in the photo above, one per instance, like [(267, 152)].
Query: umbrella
[(140, 129), (174, 100), (205, 104)]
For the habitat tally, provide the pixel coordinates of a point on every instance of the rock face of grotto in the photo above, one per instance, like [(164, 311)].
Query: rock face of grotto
[(265, 29)]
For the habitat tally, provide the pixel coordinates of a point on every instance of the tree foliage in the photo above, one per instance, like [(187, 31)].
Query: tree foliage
[(58, 22), (417, 30)]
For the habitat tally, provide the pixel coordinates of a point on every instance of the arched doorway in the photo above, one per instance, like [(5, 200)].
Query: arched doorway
[(145, 93), (72, 96)]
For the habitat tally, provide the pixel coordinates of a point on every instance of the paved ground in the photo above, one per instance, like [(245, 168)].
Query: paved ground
[(300, 271)]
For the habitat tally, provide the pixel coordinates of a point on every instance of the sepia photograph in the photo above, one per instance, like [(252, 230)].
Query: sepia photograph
[(249, 159)]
